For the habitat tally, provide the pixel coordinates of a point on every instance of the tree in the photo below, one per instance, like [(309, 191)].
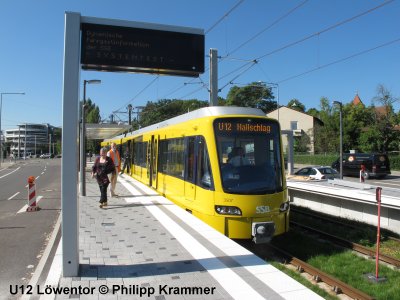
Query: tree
[(313, 112), (381, 136), (326, 137), (296, 105), (256, 94), (57, 134), (92, 115), (164, 109), (355, 121)]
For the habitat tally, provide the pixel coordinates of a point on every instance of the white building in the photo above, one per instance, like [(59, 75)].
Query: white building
[(34, 138), (302, 124)]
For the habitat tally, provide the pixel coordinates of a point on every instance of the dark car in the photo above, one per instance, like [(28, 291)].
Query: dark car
[(376, 165)]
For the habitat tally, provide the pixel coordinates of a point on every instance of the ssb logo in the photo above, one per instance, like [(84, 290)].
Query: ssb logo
[(262, 209)]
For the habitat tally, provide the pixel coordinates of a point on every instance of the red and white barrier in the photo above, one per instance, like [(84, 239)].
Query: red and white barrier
[(32, 195)]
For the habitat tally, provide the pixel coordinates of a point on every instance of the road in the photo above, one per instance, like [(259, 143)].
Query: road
[(390, 181), (24, 235)]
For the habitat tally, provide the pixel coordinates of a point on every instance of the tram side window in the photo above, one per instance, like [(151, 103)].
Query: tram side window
[(139, 158), (136, 153), (143, 160), (172, 157), (204, 175), (163, 156), (191, 160)]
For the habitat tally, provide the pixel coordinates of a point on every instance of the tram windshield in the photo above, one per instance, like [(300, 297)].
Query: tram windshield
[(249, 155)]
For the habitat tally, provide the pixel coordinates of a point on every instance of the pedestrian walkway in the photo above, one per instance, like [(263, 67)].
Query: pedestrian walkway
[(145, 247)]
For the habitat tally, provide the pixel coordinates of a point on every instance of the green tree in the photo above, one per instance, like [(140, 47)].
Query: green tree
[(296, 105), (164, 109), (57, 133), (326, 137), (355, 121), (313, 112), (256, 94), (92, 115), (380, 134), (302, 143)]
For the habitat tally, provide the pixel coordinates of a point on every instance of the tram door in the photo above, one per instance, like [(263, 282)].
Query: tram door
[(154, 155), (190, 170)]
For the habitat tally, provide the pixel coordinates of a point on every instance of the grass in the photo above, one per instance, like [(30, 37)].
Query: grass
[(364, 234), (341, 264), (296, 276)]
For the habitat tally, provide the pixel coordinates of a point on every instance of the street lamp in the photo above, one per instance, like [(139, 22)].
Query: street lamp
[(83, 136), (341, 137), (1, 104)]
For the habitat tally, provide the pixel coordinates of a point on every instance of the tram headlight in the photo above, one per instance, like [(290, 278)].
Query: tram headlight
[(284, 207), (228, 210)]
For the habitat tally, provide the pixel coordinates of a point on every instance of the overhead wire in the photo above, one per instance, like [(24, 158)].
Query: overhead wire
[(268, 27), (324, 30), (286, 46), (318, 34), (341, 60), (138, 94), (224, 16), (279, 19), (206, 32)]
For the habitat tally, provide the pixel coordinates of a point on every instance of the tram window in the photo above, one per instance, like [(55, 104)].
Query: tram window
[(162, 156), (172, 157), (259, 144), (139, 157), (190, 158), (204, 175), (144, 153)]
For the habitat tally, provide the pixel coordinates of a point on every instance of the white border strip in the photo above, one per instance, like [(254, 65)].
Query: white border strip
[(276, 280), (39, 269), (229, 280), (55, 272)]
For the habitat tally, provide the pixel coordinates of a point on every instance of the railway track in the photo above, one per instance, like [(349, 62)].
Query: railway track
[(347, 244), (338, 286)]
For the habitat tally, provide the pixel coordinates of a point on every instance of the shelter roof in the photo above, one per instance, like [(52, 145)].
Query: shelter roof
[(104, 131)]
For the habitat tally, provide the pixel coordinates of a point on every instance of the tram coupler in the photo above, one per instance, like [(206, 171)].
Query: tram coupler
[(262, 232)]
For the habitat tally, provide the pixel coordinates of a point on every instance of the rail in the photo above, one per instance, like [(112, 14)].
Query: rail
[(337, 285), (348, 244)]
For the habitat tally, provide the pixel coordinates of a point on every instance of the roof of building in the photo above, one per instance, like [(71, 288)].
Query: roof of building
[(298, 111), (357, 100)]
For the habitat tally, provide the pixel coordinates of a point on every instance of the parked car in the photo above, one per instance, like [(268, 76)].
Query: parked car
[(47, 155), (315, 173), (376, 165)]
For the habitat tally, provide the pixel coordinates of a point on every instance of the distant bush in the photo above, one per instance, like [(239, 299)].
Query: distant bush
[(328, 159), (316, 159), (394, 162)]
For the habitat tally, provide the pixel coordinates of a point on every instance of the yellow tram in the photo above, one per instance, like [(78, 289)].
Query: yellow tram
[(222, 164)]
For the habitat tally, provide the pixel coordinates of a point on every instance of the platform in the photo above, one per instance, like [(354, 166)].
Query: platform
[(145, 247), (354, 201)]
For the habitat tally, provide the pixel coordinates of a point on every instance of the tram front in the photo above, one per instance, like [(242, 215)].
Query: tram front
[(252, 197)]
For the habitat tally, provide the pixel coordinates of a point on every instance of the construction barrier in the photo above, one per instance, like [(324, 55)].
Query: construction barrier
[(32, 195)]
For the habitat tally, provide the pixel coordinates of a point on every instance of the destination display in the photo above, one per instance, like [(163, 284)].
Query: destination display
[(229, 125), (116, 48)]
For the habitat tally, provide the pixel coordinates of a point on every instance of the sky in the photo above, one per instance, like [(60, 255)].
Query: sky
[(305, 49)]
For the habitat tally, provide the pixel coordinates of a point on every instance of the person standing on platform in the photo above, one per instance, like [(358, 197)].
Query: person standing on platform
[(127, 162), (103, 166), (116, 158)]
